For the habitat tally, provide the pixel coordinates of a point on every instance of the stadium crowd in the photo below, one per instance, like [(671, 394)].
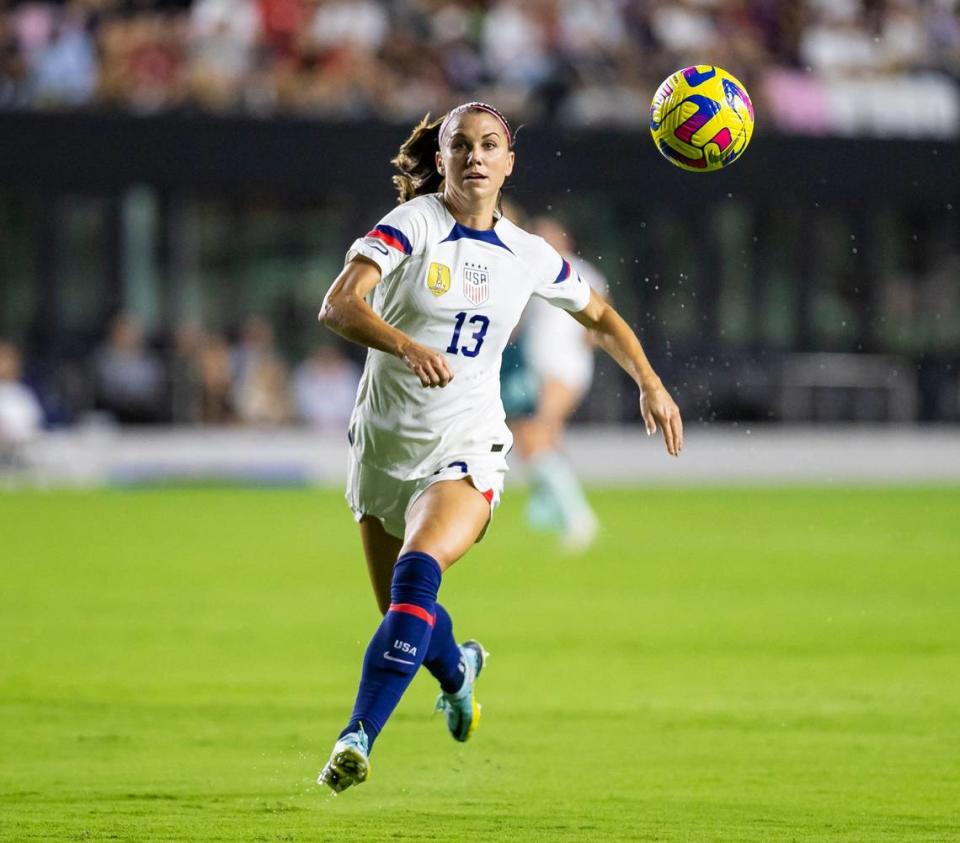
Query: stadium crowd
[(196, 377), (575, 61)]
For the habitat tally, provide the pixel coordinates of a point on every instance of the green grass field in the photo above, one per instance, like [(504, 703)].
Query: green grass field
[(742, 665)]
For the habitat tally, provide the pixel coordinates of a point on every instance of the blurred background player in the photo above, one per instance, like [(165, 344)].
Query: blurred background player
[(547, 372), (21, 417)]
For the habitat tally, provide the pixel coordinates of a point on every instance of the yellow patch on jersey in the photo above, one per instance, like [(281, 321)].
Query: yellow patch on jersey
[(438, 279)]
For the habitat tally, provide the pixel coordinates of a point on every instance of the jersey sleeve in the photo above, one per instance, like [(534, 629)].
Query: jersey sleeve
[(558, 282), (390, 242)]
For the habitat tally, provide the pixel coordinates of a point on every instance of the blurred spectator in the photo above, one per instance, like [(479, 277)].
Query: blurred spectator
[(280, 21), (224, 35), (260, 389), (186, 382), (129, 378), (515, 45), (325, 388), (683, 26), (20, 414), (142, 66), (201, 377), (339, 25), (34, 25), (837, 41), (13, 66), (215, 372), (65, 69), (942, 31)]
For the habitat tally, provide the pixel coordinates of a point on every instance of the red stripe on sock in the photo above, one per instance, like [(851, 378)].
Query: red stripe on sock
[(412, 609)]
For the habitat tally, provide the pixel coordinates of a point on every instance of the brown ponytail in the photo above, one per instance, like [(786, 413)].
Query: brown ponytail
[(417, 162)]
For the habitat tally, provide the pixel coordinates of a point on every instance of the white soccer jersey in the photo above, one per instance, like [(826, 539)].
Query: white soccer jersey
[(460, 291)]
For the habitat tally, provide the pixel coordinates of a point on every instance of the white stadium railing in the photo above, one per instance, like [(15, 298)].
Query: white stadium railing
[(617, 456)]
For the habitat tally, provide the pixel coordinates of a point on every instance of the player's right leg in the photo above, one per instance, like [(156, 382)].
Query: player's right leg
[(381, 550), (392, 658), (449, 517), (349, 762)]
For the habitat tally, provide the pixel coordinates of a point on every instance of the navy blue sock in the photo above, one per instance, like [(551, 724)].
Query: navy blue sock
[(444, 659), (399, 645)]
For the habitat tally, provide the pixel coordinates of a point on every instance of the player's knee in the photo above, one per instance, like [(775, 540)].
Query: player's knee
[(427, 545)]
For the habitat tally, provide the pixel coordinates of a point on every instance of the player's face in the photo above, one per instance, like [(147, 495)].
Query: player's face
[(474, 158)]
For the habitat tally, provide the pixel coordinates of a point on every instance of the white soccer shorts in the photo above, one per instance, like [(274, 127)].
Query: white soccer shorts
[(378, 494)]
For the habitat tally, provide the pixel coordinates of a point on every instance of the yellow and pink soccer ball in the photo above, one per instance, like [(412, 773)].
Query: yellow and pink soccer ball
[(701, 118)]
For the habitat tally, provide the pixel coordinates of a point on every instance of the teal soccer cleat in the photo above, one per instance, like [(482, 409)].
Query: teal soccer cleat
[(349, 762), (461, 708)]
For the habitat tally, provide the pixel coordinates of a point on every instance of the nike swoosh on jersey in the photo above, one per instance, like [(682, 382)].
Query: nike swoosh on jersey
[(379, 248), (386, 655)]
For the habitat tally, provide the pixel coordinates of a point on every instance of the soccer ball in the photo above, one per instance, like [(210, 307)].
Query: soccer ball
[(701, 118)]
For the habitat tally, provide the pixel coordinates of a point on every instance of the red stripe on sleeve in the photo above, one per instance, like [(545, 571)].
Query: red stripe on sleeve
[(386, 238)]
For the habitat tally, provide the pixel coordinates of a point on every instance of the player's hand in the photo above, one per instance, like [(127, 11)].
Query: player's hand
[(659, 409), (428, 365)]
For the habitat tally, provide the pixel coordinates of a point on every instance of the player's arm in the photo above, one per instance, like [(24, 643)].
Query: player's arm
[(617, 338), (345, 312)]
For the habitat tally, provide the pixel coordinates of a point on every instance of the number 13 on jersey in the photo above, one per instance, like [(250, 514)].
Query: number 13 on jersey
[(482, 323)]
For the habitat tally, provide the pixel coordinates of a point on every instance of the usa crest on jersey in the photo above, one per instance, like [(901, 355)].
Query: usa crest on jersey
[(476, 283)]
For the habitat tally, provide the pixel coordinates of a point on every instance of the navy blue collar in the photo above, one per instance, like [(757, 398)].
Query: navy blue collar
[(459, 232)]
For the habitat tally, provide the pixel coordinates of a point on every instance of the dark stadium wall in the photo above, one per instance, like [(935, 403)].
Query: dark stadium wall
[(806, 246), (92, 151)]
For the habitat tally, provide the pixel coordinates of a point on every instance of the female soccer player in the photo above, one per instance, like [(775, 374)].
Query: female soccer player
[(448, 277)]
